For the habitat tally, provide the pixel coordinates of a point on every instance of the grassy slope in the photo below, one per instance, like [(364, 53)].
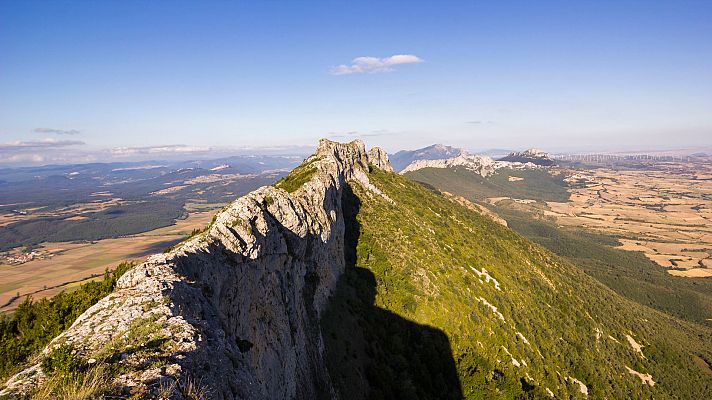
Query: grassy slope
[(630, 274), (538, 184), (420, 252)]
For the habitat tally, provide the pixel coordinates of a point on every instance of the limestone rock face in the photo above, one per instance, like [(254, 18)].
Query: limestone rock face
[(379, 158), (534, 156), (482, 165), (237, 307)]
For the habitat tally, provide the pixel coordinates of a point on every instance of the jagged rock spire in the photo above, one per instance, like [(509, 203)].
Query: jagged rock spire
[(378, 157)]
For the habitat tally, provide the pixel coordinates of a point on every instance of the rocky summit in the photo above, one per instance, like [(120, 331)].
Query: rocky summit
[(344, 280), (534, 156), (481, 165)]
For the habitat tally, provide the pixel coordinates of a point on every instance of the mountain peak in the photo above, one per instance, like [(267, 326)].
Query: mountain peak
[(353, 154), (533, 155), (436, 151), (534, 152)]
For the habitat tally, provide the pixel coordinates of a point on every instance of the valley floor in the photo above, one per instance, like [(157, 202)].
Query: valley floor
[(62, 266), (664, 211)]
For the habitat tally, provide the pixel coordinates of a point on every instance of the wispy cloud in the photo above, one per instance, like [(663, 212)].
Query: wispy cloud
[(479, 122), (24, 158), (158, 150), (70, 151), (38, 144), (57, 131), (361, 65)]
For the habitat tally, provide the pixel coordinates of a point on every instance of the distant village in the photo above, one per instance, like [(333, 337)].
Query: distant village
[(23, 257)]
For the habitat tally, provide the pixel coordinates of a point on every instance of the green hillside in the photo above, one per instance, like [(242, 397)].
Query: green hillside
[(630, 274), (439, 296), (536, 184)]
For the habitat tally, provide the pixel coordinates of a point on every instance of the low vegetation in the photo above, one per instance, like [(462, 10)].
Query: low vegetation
[(630, 274), (536, 184), (298, 177), (29, 329), (142, 346), (84, 382), (537, 324)]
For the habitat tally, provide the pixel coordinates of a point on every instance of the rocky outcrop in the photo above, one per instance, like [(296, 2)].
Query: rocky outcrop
[(235, 308), (379, 158), (482, 165), (534, 156)]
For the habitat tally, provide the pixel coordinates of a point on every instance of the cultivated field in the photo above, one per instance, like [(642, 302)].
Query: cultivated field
[(26, 214), (62, 264), (663, 210)]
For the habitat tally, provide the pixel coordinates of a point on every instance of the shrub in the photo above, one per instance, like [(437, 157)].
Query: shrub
[(34, 323)]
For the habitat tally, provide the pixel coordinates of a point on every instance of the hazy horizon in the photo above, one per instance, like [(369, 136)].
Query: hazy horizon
[(119, 81)]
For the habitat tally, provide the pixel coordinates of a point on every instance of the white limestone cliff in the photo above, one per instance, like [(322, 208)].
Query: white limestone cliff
[(482, 165), (235, 308)]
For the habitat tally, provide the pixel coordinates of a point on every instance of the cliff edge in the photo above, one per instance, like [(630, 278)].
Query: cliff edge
[(233, 310)]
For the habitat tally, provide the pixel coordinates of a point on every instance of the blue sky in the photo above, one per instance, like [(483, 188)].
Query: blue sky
[(81, 80)]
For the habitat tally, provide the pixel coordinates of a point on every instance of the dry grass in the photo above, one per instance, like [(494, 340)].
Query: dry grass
[(166, 389), (89, 385), (193, 389)]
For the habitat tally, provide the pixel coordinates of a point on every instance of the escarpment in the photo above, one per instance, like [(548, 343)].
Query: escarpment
[(234, 309), (347, 281)]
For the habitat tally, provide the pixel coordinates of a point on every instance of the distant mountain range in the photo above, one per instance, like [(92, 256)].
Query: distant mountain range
[(402, 158), (458, 156)]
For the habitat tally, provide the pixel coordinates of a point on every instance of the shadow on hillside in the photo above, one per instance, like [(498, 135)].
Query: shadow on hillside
[(372, 352), (274, 333)]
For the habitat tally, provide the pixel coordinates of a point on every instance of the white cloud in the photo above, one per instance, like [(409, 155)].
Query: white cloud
[(55, 151), (25, 157), (167, 149), (361, 65), (38, 144), (39, 151), (57, 131)]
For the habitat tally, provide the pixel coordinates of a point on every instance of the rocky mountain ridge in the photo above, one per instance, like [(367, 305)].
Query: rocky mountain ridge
[(403, 158), (534, 156), (343, 280), (235, 308), (482, 165)]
